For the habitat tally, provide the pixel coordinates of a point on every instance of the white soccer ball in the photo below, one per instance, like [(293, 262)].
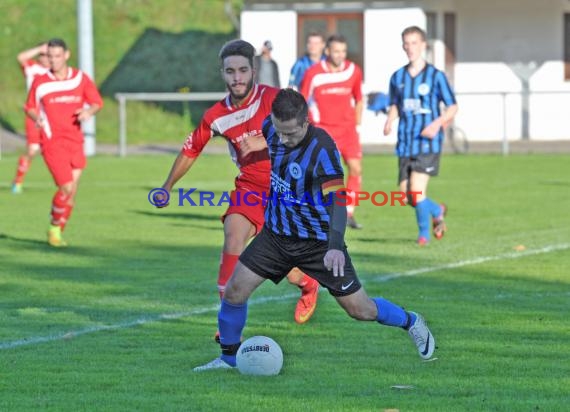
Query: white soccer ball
[(259, 355)]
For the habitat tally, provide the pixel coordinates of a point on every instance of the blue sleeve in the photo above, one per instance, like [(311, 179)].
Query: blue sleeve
[(446, 93), (329, 160), (266, 127), (296, 74)]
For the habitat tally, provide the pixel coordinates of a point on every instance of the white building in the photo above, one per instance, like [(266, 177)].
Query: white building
[(508, 60)]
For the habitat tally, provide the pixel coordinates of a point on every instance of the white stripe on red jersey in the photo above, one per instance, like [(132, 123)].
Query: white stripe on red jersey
[(236, 124), (332, 95), (33, 69)]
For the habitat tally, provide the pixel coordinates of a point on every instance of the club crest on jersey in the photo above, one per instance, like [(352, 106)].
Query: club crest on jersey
[(423, 89), (295, 170)]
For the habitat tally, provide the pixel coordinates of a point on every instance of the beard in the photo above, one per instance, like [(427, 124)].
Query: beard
[(240, 96)]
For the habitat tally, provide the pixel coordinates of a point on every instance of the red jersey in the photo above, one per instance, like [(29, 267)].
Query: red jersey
[(236, 124), (31, 70), (56, 101), (332, 95)]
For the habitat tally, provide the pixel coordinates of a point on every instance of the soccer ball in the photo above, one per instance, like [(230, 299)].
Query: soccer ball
[(259, 355)]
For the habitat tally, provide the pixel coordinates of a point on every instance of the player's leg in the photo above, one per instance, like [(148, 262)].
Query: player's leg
[(25, 160), (262, 259), (59, 162), (348, 143), (72, 191), (233, 315), (418, 184), (237, 231), (352, 297), (426, 209), (360, 307)]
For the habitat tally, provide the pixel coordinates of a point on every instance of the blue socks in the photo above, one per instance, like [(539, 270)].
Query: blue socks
[(391, 314), (424, 210), (231, 321), (434, 208), (422, 217)]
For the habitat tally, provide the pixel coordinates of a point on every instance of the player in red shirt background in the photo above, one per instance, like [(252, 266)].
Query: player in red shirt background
[(239, 116), (56, 103), (333, 90), (31, 68)]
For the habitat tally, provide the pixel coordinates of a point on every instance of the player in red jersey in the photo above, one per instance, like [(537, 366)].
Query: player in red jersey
[(238, 116), (31, 69), (56, 104), (333, 90)]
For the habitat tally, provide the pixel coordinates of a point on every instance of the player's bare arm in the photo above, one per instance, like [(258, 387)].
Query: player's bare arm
[(34, 115), (392, 115), (252, 144), (358, 112), (29, 54), (432, 129), (179, 168)]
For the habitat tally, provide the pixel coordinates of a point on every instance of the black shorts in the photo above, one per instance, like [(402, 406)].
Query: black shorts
[(422, 163), (272, 256)]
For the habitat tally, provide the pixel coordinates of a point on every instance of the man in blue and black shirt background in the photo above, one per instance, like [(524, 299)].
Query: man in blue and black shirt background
[(416, 93)]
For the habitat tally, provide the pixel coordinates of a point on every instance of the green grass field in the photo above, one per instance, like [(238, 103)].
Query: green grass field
[(117, 26), (118, 320)]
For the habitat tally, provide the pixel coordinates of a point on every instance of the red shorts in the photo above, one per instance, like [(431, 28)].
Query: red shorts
[(32, 132), (62, 157), (249, 204), (347, 141)]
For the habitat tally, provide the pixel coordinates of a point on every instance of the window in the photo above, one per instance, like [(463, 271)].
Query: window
[(350, 25)]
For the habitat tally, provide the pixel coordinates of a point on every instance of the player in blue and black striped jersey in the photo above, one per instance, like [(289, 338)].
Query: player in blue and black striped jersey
[(416, 93), (304, 227), (315, 53)]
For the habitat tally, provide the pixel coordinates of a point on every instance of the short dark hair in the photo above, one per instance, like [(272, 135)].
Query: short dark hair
[(289, 104), (237, 48), (56, 42), (414, 29), (336, 38)]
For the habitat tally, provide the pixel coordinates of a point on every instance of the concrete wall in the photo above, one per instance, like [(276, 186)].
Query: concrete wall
[(278, 26)]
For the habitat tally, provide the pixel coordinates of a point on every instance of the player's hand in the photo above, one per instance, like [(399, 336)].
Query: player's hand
[(160, 198), (387, 128), (432, 129), (82, 115), (39, 122), (334, 260), (252, 144)]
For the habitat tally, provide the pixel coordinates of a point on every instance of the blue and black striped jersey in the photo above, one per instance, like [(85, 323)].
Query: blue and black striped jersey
[(418, 100), (301, 181), (298, 71)]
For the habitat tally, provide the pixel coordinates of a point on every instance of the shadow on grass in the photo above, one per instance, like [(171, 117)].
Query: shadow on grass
[(185, 216)]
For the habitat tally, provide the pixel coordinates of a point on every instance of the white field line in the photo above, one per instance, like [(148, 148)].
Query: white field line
[(257, 301), (474, 261)]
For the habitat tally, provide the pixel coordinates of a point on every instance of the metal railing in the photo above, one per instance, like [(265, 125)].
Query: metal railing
[(156, 97), (214, 96)]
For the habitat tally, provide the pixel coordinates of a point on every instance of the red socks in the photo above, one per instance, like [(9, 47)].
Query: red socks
[(60, 209), (23, 167), (353, 185), (227, 265)]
